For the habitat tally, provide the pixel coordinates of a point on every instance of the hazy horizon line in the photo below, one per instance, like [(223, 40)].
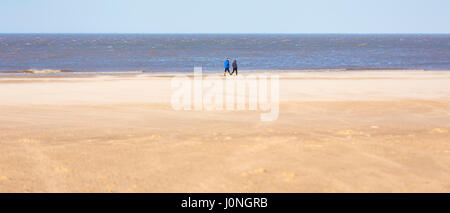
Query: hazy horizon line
[(53, 33)]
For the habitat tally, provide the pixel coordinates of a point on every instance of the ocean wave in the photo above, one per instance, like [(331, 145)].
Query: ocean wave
[(70, 72), (44, 71)]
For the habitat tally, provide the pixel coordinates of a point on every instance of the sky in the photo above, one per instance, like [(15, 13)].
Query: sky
[(230, 16)]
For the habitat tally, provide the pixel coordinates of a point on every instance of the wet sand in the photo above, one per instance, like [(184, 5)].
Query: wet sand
[(377, 131)]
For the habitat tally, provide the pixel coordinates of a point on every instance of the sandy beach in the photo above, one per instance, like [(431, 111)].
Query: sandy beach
[(353, 131)]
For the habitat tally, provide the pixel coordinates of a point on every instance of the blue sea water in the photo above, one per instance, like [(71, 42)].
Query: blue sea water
[(181, 52)]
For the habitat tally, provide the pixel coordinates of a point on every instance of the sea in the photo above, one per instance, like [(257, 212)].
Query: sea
[(154, 53)]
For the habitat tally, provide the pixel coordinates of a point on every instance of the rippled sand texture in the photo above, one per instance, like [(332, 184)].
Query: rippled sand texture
[(381, 131)]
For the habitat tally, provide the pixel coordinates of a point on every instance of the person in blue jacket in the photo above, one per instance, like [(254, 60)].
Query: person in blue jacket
[(227, 67)]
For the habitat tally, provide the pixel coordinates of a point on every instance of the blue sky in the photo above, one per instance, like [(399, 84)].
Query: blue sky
[(230, 16)]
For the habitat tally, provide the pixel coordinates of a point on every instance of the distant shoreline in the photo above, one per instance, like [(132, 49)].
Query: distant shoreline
[(69, 73)]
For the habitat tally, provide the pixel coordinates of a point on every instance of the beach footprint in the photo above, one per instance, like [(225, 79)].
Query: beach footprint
[(438, 131)]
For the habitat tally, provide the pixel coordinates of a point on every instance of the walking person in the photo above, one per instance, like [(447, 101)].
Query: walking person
[(235, 67), (227, 67)]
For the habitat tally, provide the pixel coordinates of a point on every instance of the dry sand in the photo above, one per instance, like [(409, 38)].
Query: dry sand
[(377, 131)]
